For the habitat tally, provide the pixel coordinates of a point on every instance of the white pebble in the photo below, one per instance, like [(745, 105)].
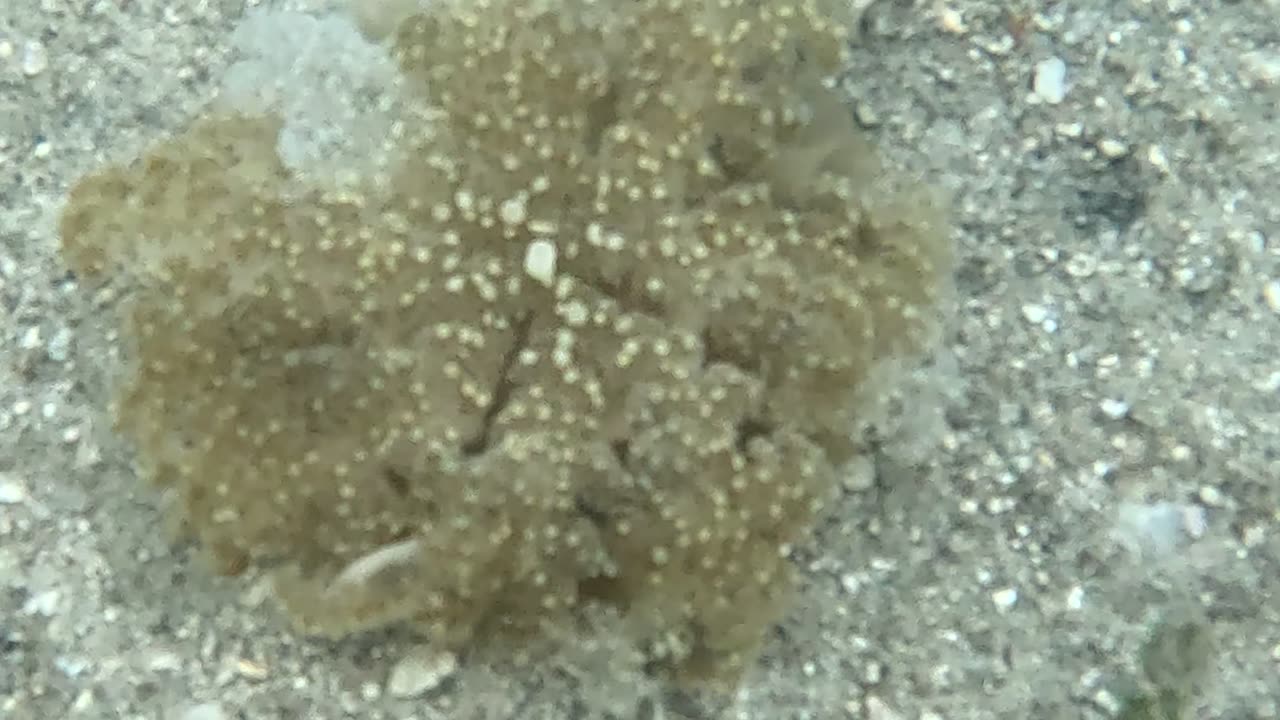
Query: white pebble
[(1075, 598), (1035, 314), (1113, 408), (59, 347), (1268, 384), (540, 261), (1211, 496), (1253, 536), (161, 660), (1195, 521), (1050, 81), (952, 21), (850, 583), (1072, 130), (34, 59), (204, 711), (1111, 148), (1158, 159), (878, 710), (12, 491), (1005, 599), (44, 604), (420, 671), (70, 665), (1271, 295), (31, 338), (83, 701), (1108, 702)]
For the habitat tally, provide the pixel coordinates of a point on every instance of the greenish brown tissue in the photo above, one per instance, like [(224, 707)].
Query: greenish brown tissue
[(373, 390)]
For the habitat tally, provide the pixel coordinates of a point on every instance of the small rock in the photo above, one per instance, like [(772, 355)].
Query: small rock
[(876, 709), (31, 338), (1071, 130), (70, 665), (420, 671), (1211, 496), (34, 59), (59, 348), (162, 660), (1112, 149), (12, 491), (1195, 521), (1253, 536), (83, 701), (1050, 80), (540, 261), (1114, 408), (1109, 703), (850, 583), (1006, 598), (1271, 295), (1039, 315), (44, 603), (250, 670), (203, 711), (1158, 159), (866, 115), (952, 21), (1075, 598)]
